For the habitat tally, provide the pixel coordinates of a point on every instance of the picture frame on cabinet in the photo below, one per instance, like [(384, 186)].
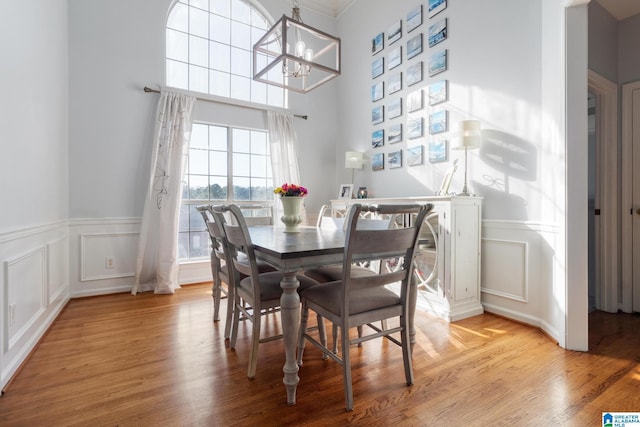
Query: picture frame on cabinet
[(446, 180), (438, 92), (414, 74), (394, 159), (436, 6), (377, 43), (345, 191), (414, 46), (414, 18), (438, 63), (437, 32), (377, 138), (438, 151), (415, 155), (394, 133), (377, 162), (394, 33)]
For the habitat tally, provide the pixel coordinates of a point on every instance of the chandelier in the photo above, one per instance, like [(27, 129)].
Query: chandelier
[(295, 56)]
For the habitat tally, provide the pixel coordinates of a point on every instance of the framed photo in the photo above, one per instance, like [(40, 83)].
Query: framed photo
[(395, 58), (394, 109), (377, 115), (377, 43), (446, 181), (438, 151), (414, 127), (414, 46), (436, 6), (438, 92), (377, 138), (377, 91), (377, 162), (377, 67), (394, 159), (414, 74), (437, 32), (438, 63), (415, 156), (345, 191), (414, 18), (415, 101), (395, 133), (395, 83), (394, 33), (438, 122)]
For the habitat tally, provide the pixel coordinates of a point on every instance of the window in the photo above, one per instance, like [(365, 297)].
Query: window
[(209, 47), (225, 165)]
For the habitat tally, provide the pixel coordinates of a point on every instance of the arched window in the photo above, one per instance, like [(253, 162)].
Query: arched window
[(209, 50)]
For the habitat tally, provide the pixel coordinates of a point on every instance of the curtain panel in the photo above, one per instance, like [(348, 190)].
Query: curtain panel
[(156, 265)]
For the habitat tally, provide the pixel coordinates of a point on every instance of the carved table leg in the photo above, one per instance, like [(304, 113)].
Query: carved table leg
[(290, 315)]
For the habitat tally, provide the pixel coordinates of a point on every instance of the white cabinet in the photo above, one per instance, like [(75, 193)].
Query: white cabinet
[(448, 264)]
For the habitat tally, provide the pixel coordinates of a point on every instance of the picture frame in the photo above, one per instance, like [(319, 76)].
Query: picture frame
[(377, 91), (415, 101), (394, 109), (394, 159), (395, 83), (436, 6), (394, 133), (377, 67), (438, 151), (377, 138), (414, 46), (414, 74), (446, 181), (415, 155), (394, 33), (437, 32), (438, 92), (438, 63), (395, 58), (415, 127), (345, 191), (377, 43), (438, 122), (377, 115), (377, 162), (414, 18)]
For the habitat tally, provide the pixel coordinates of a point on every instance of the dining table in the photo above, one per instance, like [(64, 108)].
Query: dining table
[(292, 253)]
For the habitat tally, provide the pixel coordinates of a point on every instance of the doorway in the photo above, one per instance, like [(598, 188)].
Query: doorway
[(605, 213)]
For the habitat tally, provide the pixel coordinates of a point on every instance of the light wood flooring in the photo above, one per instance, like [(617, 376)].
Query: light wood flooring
[(159, 360)]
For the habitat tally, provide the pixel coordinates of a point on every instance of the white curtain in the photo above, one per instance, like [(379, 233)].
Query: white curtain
[(284, 154), (156, 266)]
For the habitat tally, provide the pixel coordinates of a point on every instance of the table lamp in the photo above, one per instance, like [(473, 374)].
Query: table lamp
[(353, 160), (469, 140)]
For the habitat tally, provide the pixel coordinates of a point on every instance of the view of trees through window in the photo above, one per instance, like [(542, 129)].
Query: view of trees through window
[(224, 165)]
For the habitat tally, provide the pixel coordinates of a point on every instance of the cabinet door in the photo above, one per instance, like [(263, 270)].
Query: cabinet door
[(426, 260), (464, 248)]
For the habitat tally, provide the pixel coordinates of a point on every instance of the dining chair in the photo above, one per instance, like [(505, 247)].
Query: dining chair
[(358, 301), (260, 291)]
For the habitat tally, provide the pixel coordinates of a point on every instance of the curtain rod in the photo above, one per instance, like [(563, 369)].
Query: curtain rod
[(149, 90)]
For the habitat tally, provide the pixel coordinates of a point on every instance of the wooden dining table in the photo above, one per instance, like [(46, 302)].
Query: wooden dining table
[(292, 253)]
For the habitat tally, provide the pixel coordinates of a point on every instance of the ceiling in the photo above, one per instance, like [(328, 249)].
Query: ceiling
[(619, 9)]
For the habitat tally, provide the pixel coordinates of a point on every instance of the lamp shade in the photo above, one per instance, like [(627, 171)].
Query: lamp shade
[(470, 135), (353, 160)]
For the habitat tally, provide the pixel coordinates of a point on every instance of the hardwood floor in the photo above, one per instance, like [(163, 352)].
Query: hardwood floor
[(158, 360)]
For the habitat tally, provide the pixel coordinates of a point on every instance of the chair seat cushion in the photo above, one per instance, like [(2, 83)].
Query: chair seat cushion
[(263, 267), (332, 273), (270, 285), (329, 296)]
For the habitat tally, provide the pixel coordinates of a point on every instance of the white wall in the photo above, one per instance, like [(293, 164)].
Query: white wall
[(34, 278)]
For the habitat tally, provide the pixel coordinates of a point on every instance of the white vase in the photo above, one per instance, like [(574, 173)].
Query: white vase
[(291, 206)]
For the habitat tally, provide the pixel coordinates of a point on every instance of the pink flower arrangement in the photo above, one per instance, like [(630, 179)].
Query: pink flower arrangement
[(291, 190)]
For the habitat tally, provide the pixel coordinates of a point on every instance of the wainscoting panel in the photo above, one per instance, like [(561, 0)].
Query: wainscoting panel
[(108, 255), (58, 268), (503, 258)]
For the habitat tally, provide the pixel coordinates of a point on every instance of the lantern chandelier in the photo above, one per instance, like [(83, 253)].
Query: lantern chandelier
[(295, 56)]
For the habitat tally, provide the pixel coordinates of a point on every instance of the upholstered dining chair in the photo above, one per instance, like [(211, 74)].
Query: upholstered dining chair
[(255, 293), (357, 301)]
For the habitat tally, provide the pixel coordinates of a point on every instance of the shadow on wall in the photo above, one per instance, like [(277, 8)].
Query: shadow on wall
[(511, 158)]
